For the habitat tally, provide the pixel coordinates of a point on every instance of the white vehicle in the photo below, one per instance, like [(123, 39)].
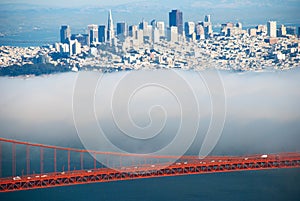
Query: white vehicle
[(264, 156), (43, 176), (28, 177), (16, 178), (246, 159), (185, 163), (89, 171), (152, 165), (178, 163)]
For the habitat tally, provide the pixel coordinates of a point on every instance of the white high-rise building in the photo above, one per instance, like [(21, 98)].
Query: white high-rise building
[(272, 29), (155, 35), (110, 28), (189, 28), (74, 47), (133, 31), (93, 33), (140, 36), (161, 27), (173, 34)]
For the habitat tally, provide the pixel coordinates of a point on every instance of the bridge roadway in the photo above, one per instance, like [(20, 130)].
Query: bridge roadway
[(192, 165)]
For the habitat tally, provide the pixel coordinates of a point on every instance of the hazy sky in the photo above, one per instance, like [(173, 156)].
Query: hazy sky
[(193, 3), (221, 10)]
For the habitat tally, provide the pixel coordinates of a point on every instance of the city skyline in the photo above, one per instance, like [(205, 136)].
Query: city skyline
[(183, 27), (247, 12)]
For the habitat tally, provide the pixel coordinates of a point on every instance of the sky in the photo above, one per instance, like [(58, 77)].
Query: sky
[(171, 3)]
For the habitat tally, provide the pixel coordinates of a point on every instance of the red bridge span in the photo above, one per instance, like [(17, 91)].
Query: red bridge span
[(25, 165)]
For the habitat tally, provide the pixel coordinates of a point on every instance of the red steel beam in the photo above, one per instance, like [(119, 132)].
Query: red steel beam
[(107, 175)]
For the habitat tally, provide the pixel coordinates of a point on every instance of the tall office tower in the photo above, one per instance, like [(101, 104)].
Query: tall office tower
[(143, 25), (110, 27), (101, 33), (74, 47), (155, 35), (207, 26), (175, 19), (121, 29), (140, 36), (271, 29), (199, 32), (161, 27), (65, 33), (132, 31), (189, 28), (207, 18), (239, 25), (93, 33), (173, 34), (153, 23), (146, 28), (208, 30), (282, 30)]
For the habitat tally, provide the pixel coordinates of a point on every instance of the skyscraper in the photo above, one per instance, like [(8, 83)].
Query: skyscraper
[(153, 23), (282, 31), (147, 29), (65, 33), (93, 33), (121, 29), (102, 33), (207, 26), (175, 19), (161, 27), (155, 35), (207, 18), (133, 31), (110, 27), (200, 31), (272, 29), (189, 28), (173, 34)]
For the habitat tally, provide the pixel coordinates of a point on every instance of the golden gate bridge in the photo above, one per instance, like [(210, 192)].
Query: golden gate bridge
[(83, 168)]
